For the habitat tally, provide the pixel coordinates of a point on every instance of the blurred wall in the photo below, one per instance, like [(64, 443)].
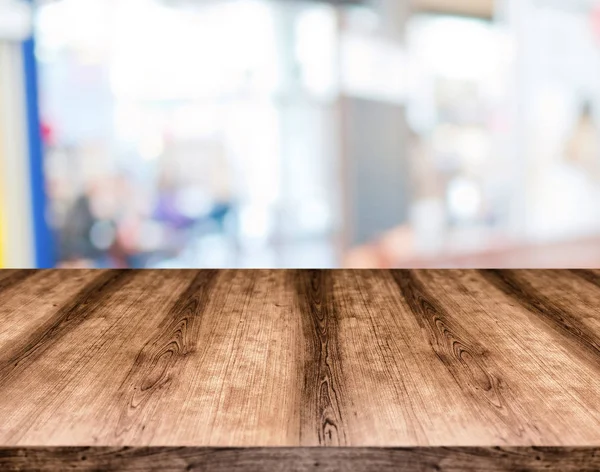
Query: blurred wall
[(377, 168)]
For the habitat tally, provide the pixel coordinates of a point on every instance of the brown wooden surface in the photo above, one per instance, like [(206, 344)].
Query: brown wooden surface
[(301, 459), (361, 359)]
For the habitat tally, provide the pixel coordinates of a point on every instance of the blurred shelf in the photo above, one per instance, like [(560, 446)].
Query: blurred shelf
[(477, 8)]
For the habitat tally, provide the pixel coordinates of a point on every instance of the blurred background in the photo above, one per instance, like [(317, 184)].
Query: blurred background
[(291, 133)]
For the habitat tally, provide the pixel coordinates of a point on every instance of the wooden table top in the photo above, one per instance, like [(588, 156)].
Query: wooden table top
[(254, 359)]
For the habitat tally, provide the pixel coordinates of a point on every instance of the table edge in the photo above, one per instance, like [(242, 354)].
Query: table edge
[(177, 459)]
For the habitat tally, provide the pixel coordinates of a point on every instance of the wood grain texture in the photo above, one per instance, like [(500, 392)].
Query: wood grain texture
[(440, 459), (439, 368)]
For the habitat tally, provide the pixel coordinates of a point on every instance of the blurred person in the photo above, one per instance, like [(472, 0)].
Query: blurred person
[(96, 231), (167, 209), (200, 196), (583, 147), (75, 245)]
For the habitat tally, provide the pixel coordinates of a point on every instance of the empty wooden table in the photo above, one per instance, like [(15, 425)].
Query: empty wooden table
[(300, 370)]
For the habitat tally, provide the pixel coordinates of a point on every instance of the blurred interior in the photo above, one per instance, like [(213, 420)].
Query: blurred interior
[(291, 133)]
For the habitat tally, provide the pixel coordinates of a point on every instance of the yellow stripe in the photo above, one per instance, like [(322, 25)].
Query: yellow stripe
[(3, 227)]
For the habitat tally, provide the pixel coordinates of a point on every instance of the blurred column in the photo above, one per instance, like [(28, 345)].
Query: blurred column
[(394, 15), (373, 130), (515, 15), (16, 242), (306, 130)]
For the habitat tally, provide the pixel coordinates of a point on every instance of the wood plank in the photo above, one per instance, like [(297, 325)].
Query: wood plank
[(529, 363), (301, 459), (420, 369)]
